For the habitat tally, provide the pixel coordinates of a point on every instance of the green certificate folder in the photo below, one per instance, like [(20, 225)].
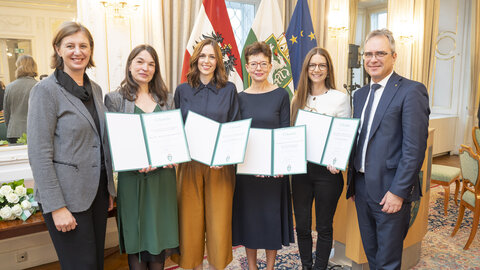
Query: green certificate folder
[(271, 152), (151, 139), (216, 144), (329, 139)]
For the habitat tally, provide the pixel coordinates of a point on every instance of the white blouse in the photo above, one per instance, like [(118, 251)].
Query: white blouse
[(333, 103)]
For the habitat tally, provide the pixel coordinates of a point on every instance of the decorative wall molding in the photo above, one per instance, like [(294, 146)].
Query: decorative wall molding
[(21, 21), (15, 23), (57, 5)]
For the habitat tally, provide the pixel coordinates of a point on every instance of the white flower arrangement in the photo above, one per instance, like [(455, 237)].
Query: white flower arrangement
[(16, 201)]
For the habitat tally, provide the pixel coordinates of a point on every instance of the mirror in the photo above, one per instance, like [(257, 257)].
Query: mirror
[(11, 49), (27, 27)]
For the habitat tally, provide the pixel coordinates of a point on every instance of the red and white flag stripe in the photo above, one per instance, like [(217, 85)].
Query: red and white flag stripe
[(213, 22)]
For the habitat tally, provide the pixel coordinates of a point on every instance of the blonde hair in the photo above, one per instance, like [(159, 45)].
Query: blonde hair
[(26, 66)]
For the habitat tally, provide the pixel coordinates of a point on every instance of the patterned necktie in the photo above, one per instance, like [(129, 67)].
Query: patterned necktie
[(363, 132)]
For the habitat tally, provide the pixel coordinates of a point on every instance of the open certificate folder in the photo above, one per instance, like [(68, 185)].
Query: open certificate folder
[(140, 140), (216, 144), (329, 139), (272, 152)]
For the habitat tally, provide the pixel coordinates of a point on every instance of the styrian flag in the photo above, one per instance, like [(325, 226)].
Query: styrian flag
[(213, 22), (268, 26)]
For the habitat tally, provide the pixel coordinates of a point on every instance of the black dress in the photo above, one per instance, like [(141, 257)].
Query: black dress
[(262, 208)]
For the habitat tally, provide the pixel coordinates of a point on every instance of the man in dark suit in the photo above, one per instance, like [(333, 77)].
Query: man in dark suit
[(388, 154)]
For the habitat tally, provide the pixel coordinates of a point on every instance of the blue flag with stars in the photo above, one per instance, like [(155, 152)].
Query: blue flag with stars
[(300, 38)]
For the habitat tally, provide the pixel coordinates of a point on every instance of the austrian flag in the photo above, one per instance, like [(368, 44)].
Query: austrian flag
[(213, 22)]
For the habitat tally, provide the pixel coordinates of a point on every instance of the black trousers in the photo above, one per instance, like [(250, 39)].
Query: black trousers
[(83, 247), (382, 233), (325, 188)]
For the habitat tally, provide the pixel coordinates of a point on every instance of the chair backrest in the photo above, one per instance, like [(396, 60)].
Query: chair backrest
[(476, 138), (470, 165)]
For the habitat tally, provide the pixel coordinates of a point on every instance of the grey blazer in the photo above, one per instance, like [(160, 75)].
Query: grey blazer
[(16, 105), (115, 102), (64, 147)]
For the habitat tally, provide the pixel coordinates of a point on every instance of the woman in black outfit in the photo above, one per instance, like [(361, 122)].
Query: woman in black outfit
[(316, 92)]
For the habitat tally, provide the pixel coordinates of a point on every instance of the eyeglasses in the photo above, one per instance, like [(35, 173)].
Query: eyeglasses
[(312, 67), (378, 55), (254, 65)]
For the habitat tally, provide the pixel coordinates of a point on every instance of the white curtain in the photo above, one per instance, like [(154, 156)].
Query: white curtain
[(168, 25), (337, 42)]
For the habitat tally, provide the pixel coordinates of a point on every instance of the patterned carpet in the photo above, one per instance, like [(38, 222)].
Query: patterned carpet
[(439, 250)]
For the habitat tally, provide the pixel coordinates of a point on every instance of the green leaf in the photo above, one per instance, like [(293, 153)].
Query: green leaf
[(17, 183), (29, 191), (23, 139)]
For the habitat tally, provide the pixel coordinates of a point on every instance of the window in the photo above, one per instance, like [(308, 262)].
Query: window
[(378, 20), (241, 15)]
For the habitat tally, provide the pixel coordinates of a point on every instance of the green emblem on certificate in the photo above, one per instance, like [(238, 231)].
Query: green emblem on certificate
[(169, 157)]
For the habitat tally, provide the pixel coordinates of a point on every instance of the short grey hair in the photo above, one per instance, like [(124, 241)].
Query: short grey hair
[(385, 33)]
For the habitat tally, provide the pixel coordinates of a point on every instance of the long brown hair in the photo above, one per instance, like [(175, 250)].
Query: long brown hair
[(305, 84), (220, 75), (68, 29), (129, 87)]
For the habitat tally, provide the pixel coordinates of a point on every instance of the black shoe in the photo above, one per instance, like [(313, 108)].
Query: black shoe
[(305, 267)]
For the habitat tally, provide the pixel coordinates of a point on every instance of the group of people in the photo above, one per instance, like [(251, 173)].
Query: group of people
[(177, 211)]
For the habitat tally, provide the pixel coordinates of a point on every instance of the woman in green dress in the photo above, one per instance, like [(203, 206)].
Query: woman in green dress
[(146, 202)]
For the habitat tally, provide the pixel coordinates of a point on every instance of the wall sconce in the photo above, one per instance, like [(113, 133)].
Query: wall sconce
[(405, 32), (120, 9), (336, 25)]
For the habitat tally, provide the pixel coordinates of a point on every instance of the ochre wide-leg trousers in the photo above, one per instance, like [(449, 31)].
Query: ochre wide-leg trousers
[(205, 198)]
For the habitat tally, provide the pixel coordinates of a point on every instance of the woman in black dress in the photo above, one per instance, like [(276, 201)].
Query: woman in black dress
[(262, 213)]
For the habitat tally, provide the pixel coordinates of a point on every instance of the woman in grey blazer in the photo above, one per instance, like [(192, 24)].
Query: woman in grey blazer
[(16, 97), (146, 202), (69, 153)]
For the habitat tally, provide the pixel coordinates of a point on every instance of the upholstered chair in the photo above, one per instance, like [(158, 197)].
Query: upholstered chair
[(470, 195)]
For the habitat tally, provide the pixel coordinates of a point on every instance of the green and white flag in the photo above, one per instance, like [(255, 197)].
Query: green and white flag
[(268, 27)]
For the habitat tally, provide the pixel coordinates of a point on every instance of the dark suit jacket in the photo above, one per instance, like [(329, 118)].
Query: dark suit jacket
[(397, 141)]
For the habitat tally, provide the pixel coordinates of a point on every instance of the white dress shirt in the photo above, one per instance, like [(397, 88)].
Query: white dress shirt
[(376, 100)]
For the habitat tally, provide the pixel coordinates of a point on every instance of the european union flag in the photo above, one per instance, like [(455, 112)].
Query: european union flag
[(300, 38)]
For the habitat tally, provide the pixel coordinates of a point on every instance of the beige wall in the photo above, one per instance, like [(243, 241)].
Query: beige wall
[(35, 21)]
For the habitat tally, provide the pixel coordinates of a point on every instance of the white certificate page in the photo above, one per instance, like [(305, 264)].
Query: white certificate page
[(127, 144), (201, 135), (231, 142), (317, 126), (289, 150), (165, 137), (258, 155), (340, 142)]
